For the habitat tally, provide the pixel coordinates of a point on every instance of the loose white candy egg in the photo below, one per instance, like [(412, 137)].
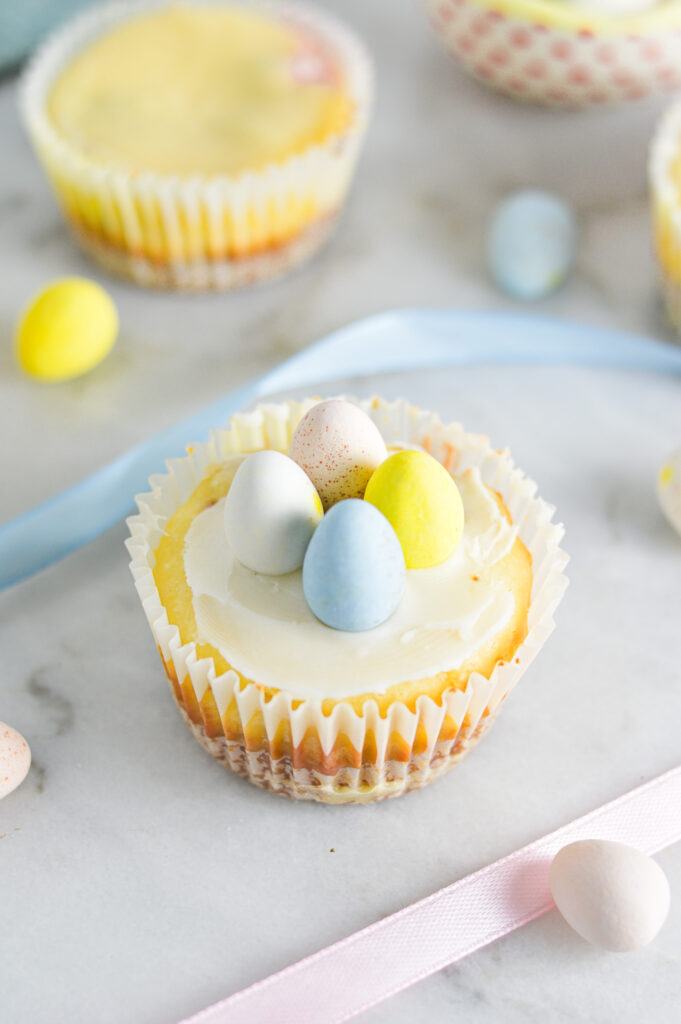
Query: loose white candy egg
[(339, 447), (531, 244), (669, 489), (271, 512), (611, 894), (15, 759)]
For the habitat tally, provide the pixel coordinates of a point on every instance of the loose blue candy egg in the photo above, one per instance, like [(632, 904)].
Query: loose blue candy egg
[(531, 244), (354, 572)]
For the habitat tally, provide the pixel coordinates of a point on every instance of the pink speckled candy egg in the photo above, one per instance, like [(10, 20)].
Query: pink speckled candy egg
[(339, 447), (15, 759)]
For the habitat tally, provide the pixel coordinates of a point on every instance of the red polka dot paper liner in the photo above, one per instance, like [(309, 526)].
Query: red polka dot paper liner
[(559, 55)]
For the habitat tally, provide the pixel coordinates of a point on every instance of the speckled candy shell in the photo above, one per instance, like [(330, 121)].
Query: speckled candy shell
[(338, 447), (15, 759)]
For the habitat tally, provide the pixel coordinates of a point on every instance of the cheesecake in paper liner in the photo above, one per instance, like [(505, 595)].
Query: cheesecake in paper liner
[(664, 181), (200, 232), (288, 744)]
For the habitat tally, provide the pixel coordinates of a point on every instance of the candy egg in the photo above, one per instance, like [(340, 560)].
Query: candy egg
[(339, 447), (669, 489), (15, 759), (531, 244), (68, 328), (418, 497), (354, 573), (271, 511), (612, 895)]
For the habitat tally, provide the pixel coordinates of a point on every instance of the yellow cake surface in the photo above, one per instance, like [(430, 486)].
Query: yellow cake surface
[(206, 90), (513, 573)]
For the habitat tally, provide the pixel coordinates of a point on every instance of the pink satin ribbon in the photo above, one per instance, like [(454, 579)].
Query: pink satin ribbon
[(358, 972)]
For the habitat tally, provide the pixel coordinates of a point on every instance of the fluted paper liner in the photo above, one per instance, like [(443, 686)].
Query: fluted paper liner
[(199, 233), (343, 756), (563, 54), (665, 198)]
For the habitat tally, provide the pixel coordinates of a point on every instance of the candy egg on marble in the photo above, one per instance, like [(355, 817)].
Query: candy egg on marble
[(531, 244), (15, 759), (354, 573), (613, 895), (339, 447), (271, 512), (420, 500), (669, 489), (67, 330)]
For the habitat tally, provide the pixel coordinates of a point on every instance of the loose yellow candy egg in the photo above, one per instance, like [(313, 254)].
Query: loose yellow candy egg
[(68, 328), (418, 497)]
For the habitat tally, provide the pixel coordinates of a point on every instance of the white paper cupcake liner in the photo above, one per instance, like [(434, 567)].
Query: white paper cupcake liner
[(199, 233), (408, 748), (665, 202)]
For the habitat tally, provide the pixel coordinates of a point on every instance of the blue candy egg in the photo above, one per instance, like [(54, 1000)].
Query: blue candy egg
[(531, 244), (354, 572)]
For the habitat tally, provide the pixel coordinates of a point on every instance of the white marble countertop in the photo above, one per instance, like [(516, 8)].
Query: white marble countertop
[(139, 881)]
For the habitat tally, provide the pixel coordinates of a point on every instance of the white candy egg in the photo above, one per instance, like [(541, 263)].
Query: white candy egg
[(15, 759), (339, 447), (271, 512), (669, 489), (611, 894)]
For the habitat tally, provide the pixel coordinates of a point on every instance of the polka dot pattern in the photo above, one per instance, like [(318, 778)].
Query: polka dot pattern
[(553, 66)]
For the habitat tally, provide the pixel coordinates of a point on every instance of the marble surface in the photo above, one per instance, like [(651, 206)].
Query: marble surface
[(139, 881)]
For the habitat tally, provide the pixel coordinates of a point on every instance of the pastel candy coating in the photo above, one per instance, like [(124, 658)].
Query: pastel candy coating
[(611, 894), (67, 330), (531, 244), (271, 512), (15, 759), (669, 489), (354, 573), (339, 447), (420, 500)]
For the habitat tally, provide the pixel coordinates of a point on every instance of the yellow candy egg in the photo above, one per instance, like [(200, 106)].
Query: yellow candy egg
[(68, 328), (418, 497)]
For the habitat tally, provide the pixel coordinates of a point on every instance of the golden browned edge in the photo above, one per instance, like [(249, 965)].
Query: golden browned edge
[(250, 266), (337, 780), (176, 596)]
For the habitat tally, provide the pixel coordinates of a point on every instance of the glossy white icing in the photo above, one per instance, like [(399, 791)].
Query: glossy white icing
[(264, 628)]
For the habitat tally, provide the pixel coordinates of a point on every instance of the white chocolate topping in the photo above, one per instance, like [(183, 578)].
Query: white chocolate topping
[(264, 628)]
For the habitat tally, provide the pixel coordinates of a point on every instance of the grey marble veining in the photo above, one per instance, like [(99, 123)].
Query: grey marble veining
[(138, 880)]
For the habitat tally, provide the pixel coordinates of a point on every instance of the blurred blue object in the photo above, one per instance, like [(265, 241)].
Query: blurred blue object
[(25, 23), (531, 244)]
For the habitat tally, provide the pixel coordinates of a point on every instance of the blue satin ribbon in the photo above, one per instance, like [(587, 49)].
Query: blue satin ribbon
[(417, 339)]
